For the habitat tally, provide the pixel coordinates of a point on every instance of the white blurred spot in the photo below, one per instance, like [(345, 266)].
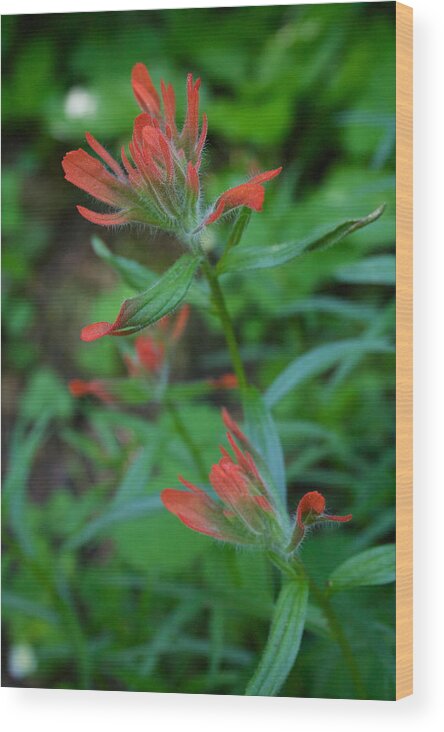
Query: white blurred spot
[(80, 103), (22, 661)]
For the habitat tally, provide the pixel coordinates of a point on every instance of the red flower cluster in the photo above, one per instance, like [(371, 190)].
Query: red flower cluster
[(160, 184), (245, 513)]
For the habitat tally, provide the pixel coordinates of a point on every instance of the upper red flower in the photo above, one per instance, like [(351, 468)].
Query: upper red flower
[(159, 185)]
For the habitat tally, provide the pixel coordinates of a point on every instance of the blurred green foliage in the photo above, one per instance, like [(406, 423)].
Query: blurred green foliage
[(101, 588)]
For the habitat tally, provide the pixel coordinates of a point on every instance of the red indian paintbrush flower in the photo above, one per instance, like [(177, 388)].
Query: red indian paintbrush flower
[(245, 512), (159, 183)]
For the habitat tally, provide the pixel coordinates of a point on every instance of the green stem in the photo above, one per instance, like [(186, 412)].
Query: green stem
[(227, 324), (340, 636), (182, 430)]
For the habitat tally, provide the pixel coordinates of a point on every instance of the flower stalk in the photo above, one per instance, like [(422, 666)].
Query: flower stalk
[(226, 322), (184, 433)]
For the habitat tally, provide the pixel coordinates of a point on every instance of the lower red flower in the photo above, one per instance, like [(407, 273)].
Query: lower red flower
[(244, 513)]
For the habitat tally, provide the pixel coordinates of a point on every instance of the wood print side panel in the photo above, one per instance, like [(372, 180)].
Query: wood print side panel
[(404, 361)]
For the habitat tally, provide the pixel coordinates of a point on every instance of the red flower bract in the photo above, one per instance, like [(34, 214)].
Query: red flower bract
[(159, 183), (243, 515), (250, 194), (311, 509)]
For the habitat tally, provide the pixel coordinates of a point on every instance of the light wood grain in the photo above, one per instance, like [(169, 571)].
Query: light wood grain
[(404, 361)]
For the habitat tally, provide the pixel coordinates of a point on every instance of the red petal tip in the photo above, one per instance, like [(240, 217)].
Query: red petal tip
[(95, 330), (342, 519)]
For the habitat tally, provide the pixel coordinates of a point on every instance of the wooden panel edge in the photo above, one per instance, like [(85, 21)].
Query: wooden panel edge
[(404, 351)]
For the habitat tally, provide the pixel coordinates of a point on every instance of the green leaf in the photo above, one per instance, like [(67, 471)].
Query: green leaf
[(121, 513), (23, 451), (283, 642), (136, 478), (17, 604), (330, 305), (377, 270), (375, 566), (128, 503), (262, 432), (132, 273), (320, 359), (45, 391), (247, 258), (139, 277), (160, 299), (167, 632), (381, 323)]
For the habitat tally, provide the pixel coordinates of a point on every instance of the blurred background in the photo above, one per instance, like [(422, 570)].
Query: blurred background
[(101, 590)]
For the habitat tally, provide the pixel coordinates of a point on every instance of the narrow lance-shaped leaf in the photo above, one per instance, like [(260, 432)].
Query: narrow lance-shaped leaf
[(262, 432), (129, 501), (247, 258), (375, 566), (382, 323), (377, 270), (133, 509), (139, 277), (330, 305), (320, 359), (147, 308), (16, 509), (283, 642), (135, 275)]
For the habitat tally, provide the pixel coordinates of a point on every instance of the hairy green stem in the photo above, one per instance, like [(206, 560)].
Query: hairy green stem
[(338, 632), (182, 430), (227, 324)]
